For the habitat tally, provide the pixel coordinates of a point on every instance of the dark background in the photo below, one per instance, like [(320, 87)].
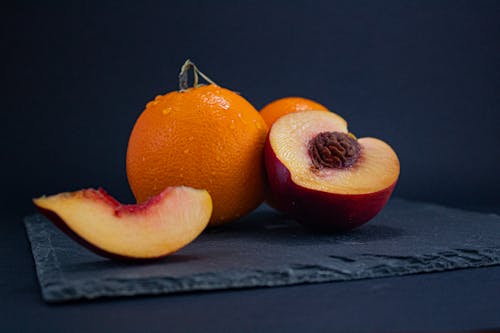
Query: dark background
[(422, 75)]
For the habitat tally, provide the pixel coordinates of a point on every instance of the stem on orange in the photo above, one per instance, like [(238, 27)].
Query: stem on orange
[(183, 76)]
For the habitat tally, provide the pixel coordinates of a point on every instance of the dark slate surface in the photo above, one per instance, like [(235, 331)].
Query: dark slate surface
[(268, 249)]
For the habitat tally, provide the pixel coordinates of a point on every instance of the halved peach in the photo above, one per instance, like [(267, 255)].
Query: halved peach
[(153, 229), (323, 176)]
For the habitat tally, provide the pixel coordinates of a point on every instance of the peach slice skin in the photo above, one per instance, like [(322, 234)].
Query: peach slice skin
[(147, 231), (321, 210)]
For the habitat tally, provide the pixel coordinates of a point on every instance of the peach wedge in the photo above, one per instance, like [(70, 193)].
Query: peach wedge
[(323, 176), (158, 227)]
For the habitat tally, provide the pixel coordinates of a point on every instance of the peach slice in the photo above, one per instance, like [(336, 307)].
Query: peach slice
[(153, 229), (323, 176)]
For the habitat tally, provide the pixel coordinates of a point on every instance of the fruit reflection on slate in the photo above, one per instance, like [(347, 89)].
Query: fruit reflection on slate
[(205, 137), (323, 176), (154, 229)]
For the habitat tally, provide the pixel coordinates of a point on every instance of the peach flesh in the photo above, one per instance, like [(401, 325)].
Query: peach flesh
[(151, 230), (308, 130), (329, 199)]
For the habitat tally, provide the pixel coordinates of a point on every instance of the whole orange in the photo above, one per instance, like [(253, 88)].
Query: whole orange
[(206, 137), (272, 111)]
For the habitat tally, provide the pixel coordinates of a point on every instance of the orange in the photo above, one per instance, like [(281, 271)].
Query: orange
[(206, 137), (272, 111)]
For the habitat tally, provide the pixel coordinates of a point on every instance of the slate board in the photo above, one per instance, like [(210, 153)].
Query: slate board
[(267, 249)]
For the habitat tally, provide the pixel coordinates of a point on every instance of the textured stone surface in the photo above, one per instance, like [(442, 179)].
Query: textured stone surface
[(267, 249)]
